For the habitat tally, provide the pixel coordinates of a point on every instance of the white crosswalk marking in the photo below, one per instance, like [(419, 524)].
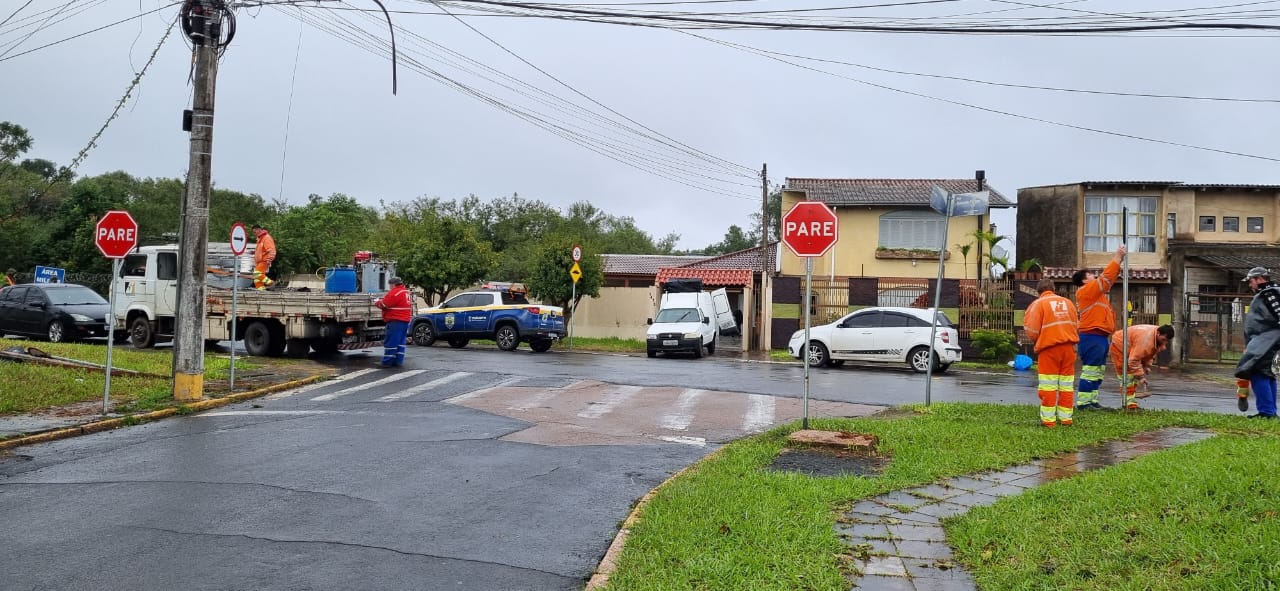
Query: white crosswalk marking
[(680, 418), (387, 380), (694, 441), (420, 388), (232, 413), (459, 399), (320, 384), (610, 402), (760, 415)]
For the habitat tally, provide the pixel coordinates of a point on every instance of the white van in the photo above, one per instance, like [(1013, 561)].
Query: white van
[(686, 322)]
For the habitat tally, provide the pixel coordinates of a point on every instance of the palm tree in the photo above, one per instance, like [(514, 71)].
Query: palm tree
[(964, 252), (990, 240)]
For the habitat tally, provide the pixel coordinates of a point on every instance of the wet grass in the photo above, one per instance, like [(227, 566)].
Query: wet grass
[(27, 387), (731, 524)]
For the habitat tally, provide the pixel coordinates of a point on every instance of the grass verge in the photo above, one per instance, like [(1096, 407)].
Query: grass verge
[(730, 523), (29, 387)]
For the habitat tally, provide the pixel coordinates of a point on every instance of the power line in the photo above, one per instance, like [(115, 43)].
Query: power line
[(15, 13), (91, 31), (1015, 115), (978, 81), (664, 139)]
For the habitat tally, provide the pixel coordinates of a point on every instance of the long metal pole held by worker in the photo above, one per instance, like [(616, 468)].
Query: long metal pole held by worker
[(205, 17), (937, 301), (1123, 370)]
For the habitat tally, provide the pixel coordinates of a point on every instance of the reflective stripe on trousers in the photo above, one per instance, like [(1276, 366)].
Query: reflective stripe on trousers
[(1057, 373), (393, 344), (1093, 360)]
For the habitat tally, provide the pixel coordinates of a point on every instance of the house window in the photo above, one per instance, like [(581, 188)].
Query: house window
[(1210, 304), (1208, 223), (1230, 223), (911, 229), (1254, 225), (1102, 227)]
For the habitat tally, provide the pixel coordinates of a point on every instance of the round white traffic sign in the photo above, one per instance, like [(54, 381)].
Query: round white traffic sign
[(239, 239), (577, 253)]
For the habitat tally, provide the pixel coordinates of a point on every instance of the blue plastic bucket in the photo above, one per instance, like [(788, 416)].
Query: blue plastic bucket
[(340, 279)]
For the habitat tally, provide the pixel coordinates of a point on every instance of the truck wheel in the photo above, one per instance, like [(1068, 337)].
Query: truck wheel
[(697, 351), (424, 335), (458, 342), (507, 337), (257, 339), (711, 349), (140, 333), (297, 348), (324, 347), (540, 345), (277, 339)]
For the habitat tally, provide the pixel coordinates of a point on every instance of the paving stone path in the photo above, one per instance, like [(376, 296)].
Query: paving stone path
[(898, 536)]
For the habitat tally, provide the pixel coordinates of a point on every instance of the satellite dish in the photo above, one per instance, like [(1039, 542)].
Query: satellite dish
[(999, 252)]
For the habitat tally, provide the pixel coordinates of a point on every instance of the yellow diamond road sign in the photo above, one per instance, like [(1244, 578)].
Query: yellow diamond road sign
[(576, 272)]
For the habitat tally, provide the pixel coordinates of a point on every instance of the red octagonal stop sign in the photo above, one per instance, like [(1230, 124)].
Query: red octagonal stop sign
[(116, 234), (810, 229)]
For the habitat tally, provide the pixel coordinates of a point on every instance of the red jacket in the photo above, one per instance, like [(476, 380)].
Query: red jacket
[(397, 305)]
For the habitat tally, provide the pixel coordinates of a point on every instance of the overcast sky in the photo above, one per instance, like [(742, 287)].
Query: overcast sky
[(347, 133)]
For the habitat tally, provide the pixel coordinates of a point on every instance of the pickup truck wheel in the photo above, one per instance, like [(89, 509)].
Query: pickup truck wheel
[(540, 345), (651, 353), (458, 342), (297, 348), (697, 351), (507, 337), (257, 339), (424, 335), (140, 333)]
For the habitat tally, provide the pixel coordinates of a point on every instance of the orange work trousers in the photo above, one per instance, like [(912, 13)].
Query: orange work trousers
[(260, 279), (1057, 369)]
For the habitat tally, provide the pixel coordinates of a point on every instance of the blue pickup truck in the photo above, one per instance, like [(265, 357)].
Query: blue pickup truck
[(504, 315)]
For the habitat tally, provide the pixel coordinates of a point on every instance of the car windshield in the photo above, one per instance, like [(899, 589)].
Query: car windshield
[(678, 315), (70, 296)]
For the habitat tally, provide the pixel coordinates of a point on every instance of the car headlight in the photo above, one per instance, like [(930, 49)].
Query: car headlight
[(692, 335), (81, 318)]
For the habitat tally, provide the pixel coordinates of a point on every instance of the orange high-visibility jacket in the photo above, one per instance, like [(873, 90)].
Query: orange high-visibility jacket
[(1051, 320), (1143, 346), (1096, 313), (265, 251)]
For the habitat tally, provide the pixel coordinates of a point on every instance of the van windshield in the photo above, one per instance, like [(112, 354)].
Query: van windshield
[(678, 315)]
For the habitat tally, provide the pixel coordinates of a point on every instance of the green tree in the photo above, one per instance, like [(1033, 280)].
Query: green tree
[(14, 141), (775, 219), (324, 232), (989, 241), (549, 279), (434, 253), (734, 240)]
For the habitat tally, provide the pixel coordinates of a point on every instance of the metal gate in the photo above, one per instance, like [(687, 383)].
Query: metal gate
[(829, 299), (1214, 326)]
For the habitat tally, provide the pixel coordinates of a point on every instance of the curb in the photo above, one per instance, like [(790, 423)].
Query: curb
[(116, 423), (609, 562)]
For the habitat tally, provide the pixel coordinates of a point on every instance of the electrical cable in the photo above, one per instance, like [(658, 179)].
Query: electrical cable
[(15, 13), (288, 117), (91, 31), (664, 138)]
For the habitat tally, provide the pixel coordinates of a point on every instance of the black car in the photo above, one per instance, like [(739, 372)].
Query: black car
[(54, 311)]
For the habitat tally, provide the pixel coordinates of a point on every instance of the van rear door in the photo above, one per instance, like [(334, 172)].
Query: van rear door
[(724, 313)]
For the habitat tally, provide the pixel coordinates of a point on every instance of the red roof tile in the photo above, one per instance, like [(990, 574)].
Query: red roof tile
[(1142, 274), (743, 259), (709, 277), (644, 264)]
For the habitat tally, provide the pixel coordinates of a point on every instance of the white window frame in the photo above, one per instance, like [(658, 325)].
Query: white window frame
[(909, 228), (1102, 222)]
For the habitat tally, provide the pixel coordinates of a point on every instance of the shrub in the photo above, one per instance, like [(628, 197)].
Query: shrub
[(999, 345)]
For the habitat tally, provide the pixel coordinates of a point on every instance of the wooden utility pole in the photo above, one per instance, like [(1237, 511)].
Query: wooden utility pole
[(764, 257), (205, 28)]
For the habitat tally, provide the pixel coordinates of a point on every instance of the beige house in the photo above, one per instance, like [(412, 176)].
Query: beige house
[(1189, 246)]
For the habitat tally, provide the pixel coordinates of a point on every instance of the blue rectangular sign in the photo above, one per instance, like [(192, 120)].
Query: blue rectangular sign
[(50, 275), (962, 204)]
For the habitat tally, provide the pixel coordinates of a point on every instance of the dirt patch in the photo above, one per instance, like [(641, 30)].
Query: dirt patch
[(276, 372), (826, 462)]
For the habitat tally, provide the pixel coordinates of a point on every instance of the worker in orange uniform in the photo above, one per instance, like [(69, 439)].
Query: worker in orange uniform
[(397, 311), (263, 255), (1053, 323), (1145, 341), (1097, 322)]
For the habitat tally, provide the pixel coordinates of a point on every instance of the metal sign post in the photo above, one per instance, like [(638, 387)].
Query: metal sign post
[(808, 314), (575, 273), (1123, 370), (239, 240), (937, 300), (111, 331)]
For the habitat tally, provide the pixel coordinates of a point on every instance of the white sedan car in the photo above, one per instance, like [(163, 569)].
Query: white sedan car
[(894, 335)]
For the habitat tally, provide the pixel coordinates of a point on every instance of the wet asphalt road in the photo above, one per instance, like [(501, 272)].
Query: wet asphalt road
[(467, 469)]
